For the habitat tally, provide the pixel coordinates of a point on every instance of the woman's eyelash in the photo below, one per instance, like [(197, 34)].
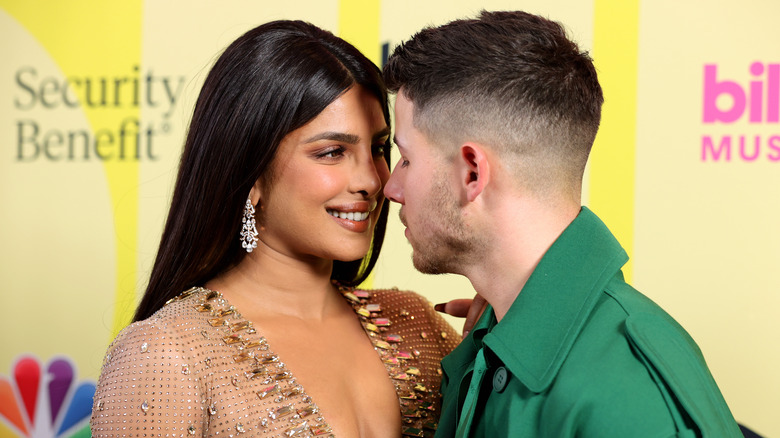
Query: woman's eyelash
[(331, 153)]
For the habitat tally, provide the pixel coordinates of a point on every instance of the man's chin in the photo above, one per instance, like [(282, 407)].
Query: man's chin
[(427, 266)]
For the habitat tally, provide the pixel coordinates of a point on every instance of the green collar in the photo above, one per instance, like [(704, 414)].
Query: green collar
[(537, 333)]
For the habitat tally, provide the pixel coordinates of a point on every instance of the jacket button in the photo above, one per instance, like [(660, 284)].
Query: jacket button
[(500, 378)]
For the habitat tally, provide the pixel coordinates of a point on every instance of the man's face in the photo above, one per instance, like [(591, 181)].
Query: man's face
[(423, 183)]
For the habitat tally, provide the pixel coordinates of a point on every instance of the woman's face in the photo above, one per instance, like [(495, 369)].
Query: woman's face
[(325, 194)]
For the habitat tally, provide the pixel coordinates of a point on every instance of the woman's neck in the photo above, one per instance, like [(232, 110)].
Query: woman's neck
[(269, 284)]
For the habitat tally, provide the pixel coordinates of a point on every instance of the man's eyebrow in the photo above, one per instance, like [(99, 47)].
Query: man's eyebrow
[(340, 137), (397, 143)]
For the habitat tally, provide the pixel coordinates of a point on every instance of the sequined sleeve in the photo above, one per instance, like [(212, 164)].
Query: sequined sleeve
[(146, 387)]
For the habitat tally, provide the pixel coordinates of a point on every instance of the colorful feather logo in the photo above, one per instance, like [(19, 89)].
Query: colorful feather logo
[(36, 403)]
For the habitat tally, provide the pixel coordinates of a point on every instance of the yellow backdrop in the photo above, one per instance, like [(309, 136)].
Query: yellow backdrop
[(95, 97)]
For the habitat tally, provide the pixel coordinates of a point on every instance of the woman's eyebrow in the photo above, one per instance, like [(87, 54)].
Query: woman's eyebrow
[(340, 137)]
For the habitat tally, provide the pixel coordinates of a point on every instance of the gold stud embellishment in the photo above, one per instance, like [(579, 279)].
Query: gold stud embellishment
[(293, 392), (255, 343), (305, 412), (263, 393), (420, 388), (205, 307), (284, 375), (395, 339), (297, 429), (413, 431), (391, 360), (383, 345), (233, 339), (241, 325), (352, 297), (268, 359), (212, 295), (320, 429), (225, 312), (281, 412), (244, 356), (255, 373)]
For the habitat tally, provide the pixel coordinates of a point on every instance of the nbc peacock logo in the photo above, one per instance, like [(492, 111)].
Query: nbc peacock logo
[(45, 400)]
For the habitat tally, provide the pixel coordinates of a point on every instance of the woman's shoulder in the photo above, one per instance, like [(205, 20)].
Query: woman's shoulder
[(410, 319), (396, 298), (410, 310), (169, 326), (156, 355)]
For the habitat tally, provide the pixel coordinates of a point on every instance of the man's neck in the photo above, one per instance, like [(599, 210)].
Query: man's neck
[(520, 238)]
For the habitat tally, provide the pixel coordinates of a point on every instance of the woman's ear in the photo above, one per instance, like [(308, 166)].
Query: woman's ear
[(255, 194), (474, 170)]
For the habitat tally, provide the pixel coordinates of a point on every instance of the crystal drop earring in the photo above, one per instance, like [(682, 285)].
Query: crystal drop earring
[(249, 228)]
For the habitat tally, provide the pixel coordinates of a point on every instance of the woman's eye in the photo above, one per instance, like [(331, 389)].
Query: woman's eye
[(378, 149), (331, 153)]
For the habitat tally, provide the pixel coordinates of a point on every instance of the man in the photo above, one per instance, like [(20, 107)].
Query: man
[(495, 118)]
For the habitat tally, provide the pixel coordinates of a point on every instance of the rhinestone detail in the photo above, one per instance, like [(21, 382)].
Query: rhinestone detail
[(253, 367)]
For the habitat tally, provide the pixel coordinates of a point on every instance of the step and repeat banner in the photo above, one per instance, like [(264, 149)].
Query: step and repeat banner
[(95, 97)]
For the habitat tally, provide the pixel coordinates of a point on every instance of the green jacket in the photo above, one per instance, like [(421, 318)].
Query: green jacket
[(580, 353)]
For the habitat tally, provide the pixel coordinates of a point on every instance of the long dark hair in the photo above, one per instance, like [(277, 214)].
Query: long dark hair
[(269, 82)]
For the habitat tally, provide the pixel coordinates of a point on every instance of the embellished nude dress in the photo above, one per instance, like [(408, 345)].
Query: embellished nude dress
[(197, 368)]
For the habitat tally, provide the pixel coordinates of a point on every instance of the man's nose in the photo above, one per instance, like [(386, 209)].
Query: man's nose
[(393, 190)]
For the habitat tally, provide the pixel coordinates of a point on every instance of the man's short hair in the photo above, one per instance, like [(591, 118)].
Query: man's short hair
[(511, 80)]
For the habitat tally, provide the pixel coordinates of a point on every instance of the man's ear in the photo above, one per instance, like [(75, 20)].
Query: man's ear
[(474, 170)]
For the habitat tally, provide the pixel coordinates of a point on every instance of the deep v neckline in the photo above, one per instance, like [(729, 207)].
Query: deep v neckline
[(270, 379)]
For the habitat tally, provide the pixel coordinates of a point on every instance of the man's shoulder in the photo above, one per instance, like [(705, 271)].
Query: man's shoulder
[(634, 345)]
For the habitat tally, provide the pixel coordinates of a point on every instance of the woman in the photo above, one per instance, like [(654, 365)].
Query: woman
[(277, 215)]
